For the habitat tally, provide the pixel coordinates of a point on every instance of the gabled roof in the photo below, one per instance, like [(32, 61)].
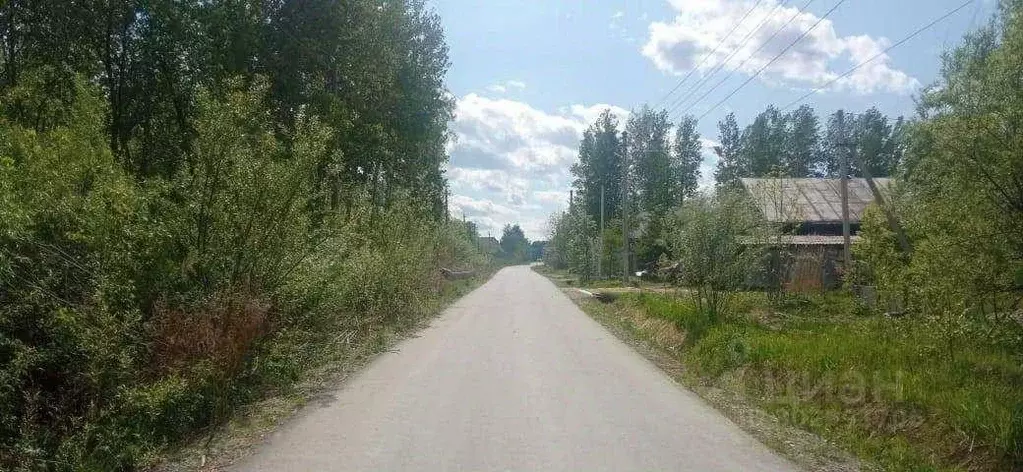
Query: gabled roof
[(811, 200)]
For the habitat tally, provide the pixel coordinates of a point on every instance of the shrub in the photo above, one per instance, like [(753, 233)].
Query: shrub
[(137, 313), (707, 237)]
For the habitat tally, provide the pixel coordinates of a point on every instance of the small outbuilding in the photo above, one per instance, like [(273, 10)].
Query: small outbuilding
[(809, 212)]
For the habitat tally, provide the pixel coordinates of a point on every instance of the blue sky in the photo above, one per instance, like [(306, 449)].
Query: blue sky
[(529, 76)]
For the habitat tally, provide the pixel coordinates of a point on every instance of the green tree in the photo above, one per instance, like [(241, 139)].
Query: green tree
[(962, 195), (802, 143), (731, 166), (706, 236), (572, 243), (196, 198), (601, 167), (514, 243), (686, 158), (839, 133), (875, 144), (651, 160), (763, 144)]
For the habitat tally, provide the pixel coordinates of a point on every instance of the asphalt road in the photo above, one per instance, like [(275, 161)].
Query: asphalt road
[(512, 377)]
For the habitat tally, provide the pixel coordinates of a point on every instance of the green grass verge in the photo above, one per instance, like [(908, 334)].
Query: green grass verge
[(907, 394), (902, 392)]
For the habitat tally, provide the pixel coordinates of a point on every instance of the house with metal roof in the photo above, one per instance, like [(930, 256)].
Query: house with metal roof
[(812, 207), (810, 213)]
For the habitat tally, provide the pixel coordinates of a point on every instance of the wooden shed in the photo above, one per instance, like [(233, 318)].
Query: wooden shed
[(809, 212)]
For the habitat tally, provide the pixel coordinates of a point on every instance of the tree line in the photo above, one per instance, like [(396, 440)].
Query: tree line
[(371, 72), (650, 166), (645, 167), (199, 200), (795, 144)]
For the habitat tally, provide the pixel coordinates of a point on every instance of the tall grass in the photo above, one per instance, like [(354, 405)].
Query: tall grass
[(903, 392)]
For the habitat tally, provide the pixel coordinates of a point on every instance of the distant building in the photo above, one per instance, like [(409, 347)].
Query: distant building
[(810, 213)]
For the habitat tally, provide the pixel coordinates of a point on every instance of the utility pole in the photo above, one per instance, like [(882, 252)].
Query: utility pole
[(447, 211), (571, 197), (625, 215), (843, 170), (893, 222), (600, 236)]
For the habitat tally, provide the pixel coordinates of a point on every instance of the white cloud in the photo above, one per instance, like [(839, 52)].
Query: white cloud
[(589, 114), (509, 162), (502, 87), (678, 46)]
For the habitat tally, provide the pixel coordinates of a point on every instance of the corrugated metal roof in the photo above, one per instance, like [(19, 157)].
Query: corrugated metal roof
[(799, 240), (811, 200)]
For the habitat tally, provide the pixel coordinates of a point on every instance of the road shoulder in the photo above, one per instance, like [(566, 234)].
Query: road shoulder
[(249, 427)]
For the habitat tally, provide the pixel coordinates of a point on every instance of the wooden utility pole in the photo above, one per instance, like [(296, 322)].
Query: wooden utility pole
[(625, 216), (600, 236), (624, 202), (893, 222), (843, 170)]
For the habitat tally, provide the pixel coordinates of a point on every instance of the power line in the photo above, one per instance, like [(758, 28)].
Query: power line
[(714, 70), (728, 35), (772, 61), (751, 56), (893, 46)]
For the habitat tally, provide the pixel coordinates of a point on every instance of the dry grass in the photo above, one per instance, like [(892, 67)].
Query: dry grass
[(220, 332)]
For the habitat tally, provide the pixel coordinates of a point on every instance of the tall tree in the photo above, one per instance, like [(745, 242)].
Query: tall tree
[(960, 194), (730, 167), (838, 135), (686, 159), (371, 71), (802, 143), (600, 166), (651, 159), (763, 144), (514, 243), (875, 144)]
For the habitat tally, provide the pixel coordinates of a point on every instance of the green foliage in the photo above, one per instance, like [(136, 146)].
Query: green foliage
[(791, 145), (706, 239), (639, 166), (865, 382), (200, 202), (70, 229), (371, 72), (731, 167), (572, 245), (686, 158), (601, 167), (514, 244), (651, 162), (961, 199)]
